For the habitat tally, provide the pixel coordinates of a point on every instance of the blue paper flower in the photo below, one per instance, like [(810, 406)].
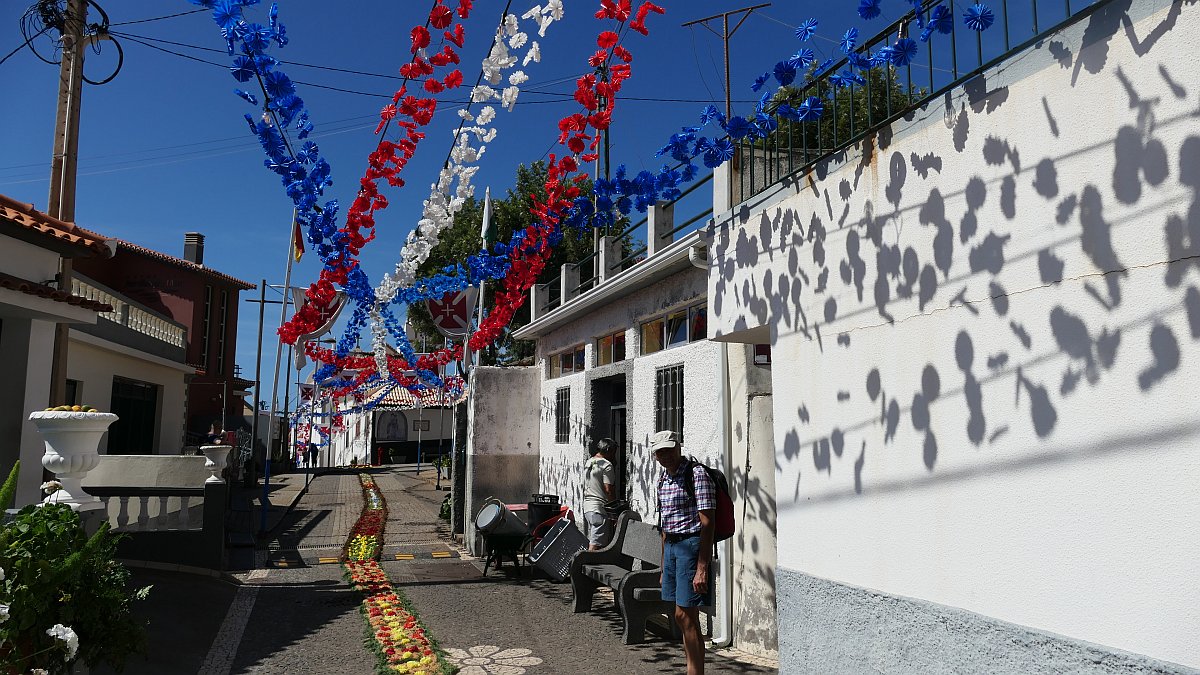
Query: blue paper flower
[(709, 114), (884, 56), (227, 13), (278, 85), (807, 29), (760, 81), (868, 9), (802, 59), (918, 11), (243, 68), (978, 17), (824, 64), (904, 51), (738, 127), (942, 20), (787, 112), (810, 109), (785, 73), (859, 61), (249, 98), (255, 36), (718, 153), (849, 40)]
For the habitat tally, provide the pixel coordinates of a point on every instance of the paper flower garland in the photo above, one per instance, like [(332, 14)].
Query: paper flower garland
[(978, 17)]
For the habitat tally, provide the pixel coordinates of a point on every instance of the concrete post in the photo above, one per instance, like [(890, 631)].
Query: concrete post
[(659, 221), (722, 188), (539, 297), (215, 500), (569, 279), (610, 254)]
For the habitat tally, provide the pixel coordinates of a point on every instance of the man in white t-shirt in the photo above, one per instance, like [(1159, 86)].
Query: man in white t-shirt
[(600, 478)]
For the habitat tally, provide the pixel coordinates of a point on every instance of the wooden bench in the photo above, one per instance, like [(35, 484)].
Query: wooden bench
[(637, 592)]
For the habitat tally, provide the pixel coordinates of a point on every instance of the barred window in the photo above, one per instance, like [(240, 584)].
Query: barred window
[(562, 415), (668, 400)]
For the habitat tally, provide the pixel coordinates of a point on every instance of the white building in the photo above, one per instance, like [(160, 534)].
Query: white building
[(985, 327)]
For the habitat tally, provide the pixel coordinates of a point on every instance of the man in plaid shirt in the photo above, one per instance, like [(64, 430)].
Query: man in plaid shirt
[(687, 507)]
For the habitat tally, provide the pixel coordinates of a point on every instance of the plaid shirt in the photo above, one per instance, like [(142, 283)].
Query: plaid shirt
[(678, 514)]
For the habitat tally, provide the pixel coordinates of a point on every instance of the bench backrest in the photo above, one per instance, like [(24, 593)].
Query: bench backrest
[(643, 542)]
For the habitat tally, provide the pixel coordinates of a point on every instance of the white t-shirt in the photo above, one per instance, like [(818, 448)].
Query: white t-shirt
[(598, 472)]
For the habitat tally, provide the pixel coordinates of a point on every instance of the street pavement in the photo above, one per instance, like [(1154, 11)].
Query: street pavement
[(291, 612)]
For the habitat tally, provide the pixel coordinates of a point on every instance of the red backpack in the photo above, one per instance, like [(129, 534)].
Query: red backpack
[(725, 524)]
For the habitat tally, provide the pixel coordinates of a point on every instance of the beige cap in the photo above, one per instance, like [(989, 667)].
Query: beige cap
[(663, 439)]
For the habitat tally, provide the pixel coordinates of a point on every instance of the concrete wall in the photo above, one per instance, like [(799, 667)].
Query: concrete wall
[(985, 327), (502, 441), (148, 471), (95, 362), (25, 349), (752, 486)]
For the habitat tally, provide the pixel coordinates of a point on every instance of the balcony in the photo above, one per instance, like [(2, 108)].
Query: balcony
[(132, 324)]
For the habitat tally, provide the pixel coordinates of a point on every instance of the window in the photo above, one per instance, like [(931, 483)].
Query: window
[(762, 355), (610, 349), (668, 400), (221, 332), (677, 328), (207, 321), (562, 415), (565, 363), (73, 392)]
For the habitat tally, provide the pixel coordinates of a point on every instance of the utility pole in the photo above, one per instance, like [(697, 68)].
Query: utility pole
[(725, 34), (61, 201)]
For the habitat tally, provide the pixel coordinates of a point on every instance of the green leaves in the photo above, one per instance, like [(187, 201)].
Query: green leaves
[(8, 491)]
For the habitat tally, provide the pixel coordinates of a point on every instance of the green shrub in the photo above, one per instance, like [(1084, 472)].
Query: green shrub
[(55, 576)]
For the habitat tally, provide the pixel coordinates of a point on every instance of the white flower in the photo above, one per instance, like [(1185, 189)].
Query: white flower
[(555, 9), (3, 613), (508, 98), (491, 660), (39, 671), (518, 77), (51, 486), (517, 41), (65, 634), (1, 574), (486, 115), (534, 54)]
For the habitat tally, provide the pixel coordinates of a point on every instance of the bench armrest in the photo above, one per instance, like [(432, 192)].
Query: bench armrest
[(610, 554)]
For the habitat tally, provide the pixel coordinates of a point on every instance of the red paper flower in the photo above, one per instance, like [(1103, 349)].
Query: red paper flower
[(420, 38), (440, 17)]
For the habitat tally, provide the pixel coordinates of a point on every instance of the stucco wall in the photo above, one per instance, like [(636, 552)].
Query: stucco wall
[(985, 327), (95, 367), (502, 440)]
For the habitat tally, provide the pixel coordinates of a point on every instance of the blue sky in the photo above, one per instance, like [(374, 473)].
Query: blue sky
[(164, 149)]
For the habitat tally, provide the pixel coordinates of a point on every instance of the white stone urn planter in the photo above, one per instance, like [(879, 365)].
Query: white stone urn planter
[(216, 457), (72, 450)]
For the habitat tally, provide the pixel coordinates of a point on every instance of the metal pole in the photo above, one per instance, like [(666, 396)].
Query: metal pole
[(247, 476), (61, 201), (287, 284)]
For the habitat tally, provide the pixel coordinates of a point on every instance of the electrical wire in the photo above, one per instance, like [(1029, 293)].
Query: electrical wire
[(158, 18)]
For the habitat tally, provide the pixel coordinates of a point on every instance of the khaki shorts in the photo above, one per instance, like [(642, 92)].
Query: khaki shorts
[(599, 528)]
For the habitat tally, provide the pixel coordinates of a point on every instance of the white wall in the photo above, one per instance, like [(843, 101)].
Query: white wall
[(27, 261), (94, 367), (562, 463), (1062, 492)]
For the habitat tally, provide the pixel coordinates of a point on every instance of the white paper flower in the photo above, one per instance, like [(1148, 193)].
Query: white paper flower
[(486, 115), (3, 613), (517, 41), (510, 25), (518, 78), (534, 54), (482, 93), (508, 99), (555, 9), (65, 634), (466, 115), (491, 660)]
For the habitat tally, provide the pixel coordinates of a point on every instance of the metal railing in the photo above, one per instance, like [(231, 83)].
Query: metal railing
[(856, 110), (131, 316), (591, 263)]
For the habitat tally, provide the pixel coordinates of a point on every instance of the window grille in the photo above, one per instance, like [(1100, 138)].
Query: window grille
[(562, 415), (668, 400)]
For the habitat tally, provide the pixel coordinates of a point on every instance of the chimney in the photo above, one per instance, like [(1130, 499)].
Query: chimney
[(193, 247)]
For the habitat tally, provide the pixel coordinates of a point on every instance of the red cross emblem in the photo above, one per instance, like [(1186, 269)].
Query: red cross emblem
[(452, 313)]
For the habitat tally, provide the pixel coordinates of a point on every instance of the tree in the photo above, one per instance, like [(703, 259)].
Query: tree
[(462, 240)]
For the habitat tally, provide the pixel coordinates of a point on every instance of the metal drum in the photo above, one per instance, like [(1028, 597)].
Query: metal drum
[(494, 519)]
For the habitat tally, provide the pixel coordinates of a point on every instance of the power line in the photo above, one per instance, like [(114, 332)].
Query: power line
[(158, 18)]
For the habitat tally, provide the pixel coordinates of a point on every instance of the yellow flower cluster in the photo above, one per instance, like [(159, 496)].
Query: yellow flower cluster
[(362, 547)]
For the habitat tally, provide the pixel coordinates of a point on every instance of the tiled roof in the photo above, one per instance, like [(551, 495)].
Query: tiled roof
[(50, 293), (35, 221), (401, 398), (185, 264)]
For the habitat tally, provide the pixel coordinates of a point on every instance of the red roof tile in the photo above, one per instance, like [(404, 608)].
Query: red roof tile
[(185, 264), (31, 219), (50, 293)]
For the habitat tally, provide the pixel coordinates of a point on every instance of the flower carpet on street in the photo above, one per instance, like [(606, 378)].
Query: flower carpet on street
[(491, 660), (395, 635)]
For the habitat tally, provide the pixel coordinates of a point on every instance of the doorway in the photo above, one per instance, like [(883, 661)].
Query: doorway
[(136, 406), (609, 421)]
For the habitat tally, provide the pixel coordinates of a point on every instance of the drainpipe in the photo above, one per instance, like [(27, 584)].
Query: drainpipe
[(723, 631), (698, 256)]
